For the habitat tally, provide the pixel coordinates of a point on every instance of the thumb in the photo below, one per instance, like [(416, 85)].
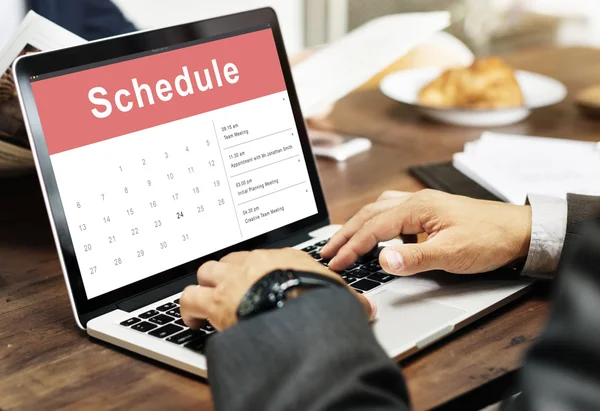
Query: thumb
[(368, 304), (409, 259)]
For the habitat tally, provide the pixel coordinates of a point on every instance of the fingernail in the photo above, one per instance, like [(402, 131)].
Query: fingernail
[(332, 262), (394, 258), (373, 309)]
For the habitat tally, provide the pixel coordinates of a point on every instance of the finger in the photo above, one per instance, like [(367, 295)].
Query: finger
[(368, 304), (212, 272), (339, 239), (382, 227), (196, 305), (409, 259), (392, 194)]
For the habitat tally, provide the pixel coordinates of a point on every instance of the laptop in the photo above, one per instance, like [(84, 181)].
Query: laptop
[(160, 150)]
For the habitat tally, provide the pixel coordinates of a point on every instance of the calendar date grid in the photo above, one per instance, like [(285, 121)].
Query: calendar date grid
[(154, 204)]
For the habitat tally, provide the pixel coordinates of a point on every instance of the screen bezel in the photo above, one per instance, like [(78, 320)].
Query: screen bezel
[(117, 47)]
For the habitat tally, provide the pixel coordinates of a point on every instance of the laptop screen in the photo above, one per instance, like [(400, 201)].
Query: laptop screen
[(165, 157)]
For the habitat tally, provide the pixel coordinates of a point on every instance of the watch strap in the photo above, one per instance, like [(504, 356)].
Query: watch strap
[(308, 279), (269, 297)]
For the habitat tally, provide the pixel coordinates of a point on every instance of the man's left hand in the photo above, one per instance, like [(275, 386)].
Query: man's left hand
[(223, 284)]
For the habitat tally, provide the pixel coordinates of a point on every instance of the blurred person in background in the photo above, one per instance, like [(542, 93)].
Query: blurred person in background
[(90, 19)]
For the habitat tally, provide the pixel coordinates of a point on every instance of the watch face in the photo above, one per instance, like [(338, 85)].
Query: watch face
[(264, 294), (254, 296)]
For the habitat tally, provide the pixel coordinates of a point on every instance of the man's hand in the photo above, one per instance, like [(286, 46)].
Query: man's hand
[(464, 235), (223, 284)]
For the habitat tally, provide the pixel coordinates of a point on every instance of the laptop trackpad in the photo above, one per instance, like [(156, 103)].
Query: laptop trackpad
[(404, 320)]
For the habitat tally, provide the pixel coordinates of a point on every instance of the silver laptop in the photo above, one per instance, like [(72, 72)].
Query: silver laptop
[(160, 150)]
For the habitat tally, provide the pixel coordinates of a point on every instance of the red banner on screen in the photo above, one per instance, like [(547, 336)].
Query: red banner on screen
[(240, 68)]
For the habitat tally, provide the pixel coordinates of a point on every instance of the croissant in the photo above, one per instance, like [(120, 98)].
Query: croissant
[(487, 83)]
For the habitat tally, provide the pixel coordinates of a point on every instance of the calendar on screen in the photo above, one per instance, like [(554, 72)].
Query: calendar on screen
[(165, 157)]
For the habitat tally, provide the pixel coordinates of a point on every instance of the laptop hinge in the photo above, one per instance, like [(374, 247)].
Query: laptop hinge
[(298, 237), (156, 294)]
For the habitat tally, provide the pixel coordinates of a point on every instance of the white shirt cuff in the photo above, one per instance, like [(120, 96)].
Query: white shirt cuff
[(548, 231)]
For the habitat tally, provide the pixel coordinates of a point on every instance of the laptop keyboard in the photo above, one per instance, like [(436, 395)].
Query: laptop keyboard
[(164, 321), (364, 275)]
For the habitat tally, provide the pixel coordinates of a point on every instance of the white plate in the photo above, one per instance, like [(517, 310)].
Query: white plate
[(538, 91)]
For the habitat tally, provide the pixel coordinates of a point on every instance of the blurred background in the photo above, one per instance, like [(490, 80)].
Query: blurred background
[(486, 26)]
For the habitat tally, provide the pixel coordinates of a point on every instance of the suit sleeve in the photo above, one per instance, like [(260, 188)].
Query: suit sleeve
[(548, 227), (555, 222), (316, 353), (581, 210), (562, 370)]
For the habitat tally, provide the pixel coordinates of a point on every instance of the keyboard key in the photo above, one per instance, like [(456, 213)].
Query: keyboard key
[(131, 321), (180, 322), (161, 319), (174, 313), (372, 267), (198, 344), (207, 326), (381, 277), (148, 314), (165, 331), (309, 249), (166, 307), (358, 273), (315, 254), (186, 336), (346, 270), (176, 301), (364, 285), (348, 279), (370, 256), (321, 243), (144, 326)]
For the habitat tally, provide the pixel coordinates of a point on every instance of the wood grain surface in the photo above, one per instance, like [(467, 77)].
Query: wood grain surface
[(46, 362)]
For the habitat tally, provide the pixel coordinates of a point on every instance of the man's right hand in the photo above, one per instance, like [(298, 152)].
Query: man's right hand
[(464, 235)]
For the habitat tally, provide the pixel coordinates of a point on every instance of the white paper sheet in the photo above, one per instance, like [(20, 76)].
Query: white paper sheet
[(340, 67), (513, 166), (40, 33)]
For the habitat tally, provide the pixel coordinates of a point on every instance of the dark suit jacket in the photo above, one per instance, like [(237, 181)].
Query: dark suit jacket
[(90, 19), (318, 353), (581, 209)]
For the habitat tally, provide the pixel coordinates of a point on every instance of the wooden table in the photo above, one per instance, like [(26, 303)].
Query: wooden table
[(47, 363)]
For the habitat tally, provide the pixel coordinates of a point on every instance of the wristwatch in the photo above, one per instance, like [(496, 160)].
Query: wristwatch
[(272, 290)]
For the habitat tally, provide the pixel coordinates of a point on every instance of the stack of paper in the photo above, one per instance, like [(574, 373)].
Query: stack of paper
[(513, 166)]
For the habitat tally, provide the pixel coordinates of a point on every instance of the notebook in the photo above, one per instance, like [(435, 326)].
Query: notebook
[(513, 166)]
